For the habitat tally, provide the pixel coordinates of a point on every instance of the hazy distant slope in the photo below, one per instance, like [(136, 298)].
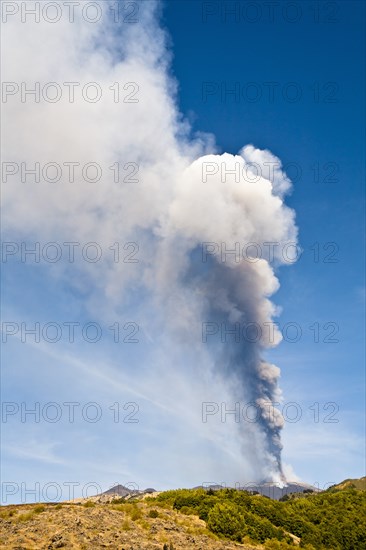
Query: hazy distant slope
[(359, 484)]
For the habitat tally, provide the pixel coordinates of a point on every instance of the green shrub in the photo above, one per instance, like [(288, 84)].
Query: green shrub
[(89, 504), (330, 520), (225, 519), (25, 517), (135, 513), (153, 514), (39, 509), (126, 526), (188, 511), (7, 514)]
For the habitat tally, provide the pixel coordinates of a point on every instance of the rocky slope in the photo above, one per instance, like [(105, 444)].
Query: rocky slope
[(100, 526), (359, 484)]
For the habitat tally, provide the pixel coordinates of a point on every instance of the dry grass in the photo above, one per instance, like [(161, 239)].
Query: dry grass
[(134, 525)]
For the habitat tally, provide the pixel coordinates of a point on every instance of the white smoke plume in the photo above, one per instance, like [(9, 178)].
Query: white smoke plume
[(182, 205)]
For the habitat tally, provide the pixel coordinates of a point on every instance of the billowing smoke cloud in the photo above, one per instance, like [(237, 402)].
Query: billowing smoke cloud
[(187, 209), (223, 214)]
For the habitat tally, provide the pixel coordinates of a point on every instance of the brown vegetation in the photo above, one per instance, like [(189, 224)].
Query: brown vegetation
[(129, 526)]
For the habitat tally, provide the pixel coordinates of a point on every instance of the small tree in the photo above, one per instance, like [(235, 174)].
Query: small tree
[(227, 520)]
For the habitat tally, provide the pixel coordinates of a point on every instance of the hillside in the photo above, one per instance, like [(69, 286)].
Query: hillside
[(191, 518), (99, 526), (359, 484), (334, 520), (271, 490)]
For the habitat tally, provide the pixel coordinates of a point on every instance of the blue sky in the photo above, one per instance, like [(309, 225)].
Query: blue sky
[(310, 132), (320, 136)]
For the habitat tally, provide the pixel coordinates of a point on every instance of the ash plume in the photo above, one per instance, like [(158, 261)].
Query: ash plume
[(230, 289), (171, 212)]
